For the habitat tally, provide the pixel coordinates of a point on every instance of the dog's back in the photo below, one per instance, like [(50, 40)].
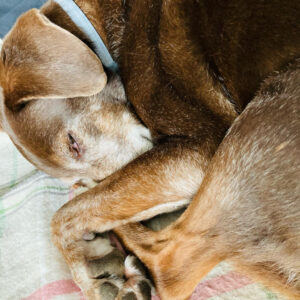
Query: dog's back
[(260, 222), (209, 53), (247, 210)]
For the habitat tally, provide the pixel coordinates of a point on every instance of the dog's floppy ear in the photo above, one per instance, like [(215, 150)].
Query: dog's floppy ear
[(42, 60)]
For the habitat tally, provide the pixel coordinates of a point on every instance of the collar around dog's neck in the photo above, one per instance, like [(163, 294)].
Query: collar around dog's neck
[(84, 24)]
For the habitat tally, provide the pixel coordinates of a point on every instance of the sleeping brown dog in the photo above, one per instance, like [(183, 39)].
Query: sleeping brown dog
[(189, 68)]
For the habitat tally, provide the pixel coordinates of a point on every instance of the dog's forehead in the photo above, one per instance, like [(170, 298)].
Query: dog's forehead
[(46, 110)]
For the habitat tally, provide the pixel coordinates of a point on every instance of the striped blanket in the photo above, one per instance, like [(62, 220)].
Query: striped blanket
[(30, 266)]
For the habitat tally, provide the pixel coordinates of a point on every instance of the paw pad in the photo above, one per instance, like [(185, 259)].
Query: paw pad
[(145, 289), (112, 264), (110, 274), (108, 291), (129, 296)]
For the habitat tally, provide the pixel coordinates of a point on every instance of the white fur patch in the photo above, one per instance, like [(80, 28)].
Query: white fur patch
[(130, 269), (159, 209), (98, 247)]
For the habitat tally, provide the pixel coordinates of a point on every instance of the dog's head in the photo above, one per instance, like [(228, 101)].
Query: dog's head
[(58, 107)]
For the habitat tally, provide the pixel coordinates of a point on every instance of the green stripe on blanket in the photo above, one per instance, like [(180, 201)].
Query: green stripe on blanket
[(10, 206)]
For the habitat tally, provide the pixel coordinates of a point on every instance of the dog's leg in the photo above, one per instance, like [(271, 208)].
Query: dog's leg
[(162, 180), (247, 209), (180, 255)]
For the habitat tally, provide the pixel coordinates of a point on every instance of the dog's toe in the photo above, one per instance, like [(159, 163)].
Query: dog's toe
[(137, 286), (110, 264), (136, 289), (109, 273), (108, 291), (145, 289), (129, 296)]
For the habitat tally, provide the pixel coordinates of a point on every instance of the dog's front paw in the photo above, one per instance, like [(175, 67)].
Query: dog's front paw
[(137, 286), (100, 271), (126, 282), (106, 272)]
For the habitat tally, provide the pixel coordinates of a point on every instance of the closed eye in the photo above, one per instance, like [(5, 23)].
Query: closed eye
[(74, 146)]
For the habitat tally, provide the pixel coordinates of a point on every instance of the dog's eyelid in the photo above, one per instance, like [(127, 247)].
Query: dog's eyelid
[(71, 138), (74, 146)]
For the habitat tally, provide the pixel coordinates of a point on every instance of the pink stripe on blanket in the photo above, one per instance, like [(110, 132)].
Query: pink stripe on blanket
[(205, 290), (219, 285), (54, 289)]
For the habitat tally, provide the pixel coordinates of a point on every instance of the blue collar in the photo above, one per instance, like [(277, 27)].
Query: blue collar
[(84, 24)]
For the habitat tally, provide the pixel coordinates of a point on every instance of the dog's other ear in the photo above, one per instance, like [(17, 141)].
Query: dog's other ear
[(42, 60)]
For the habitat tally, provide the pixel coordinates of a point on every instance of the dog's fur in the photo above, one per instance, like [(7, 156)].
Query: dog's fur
[(189, 68), (234, 216)]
